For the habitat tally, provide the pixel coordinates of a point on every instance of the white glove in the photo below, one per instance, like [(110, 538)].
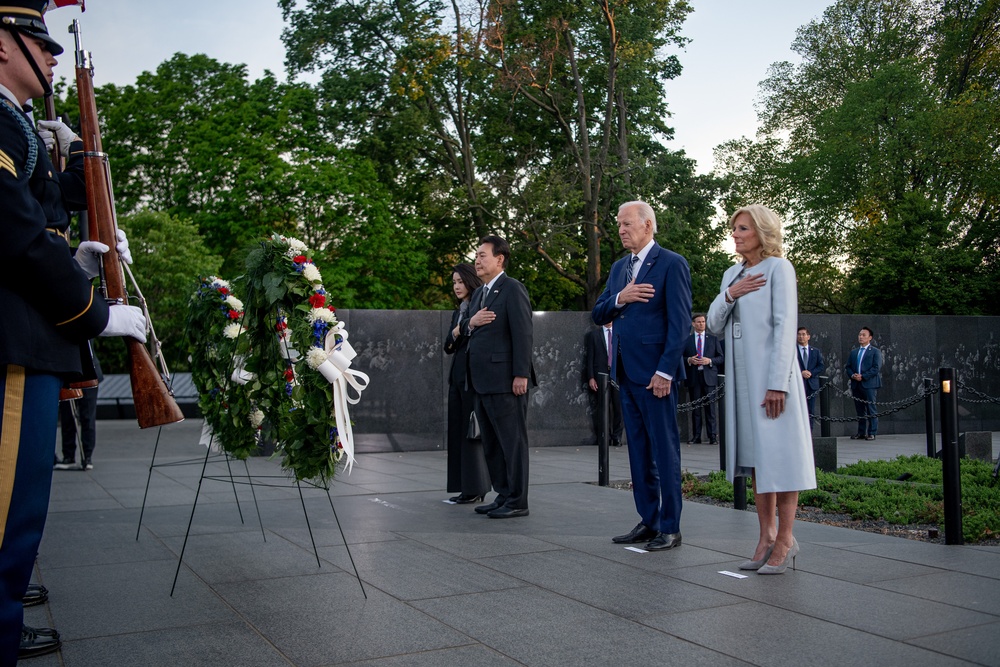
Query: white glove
[(51, 130), (122, 247), (126, 321), (88, 256)]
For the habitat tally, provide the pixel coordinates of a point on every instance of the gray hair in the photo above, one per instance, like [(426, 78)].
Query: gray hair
[(645, 211)]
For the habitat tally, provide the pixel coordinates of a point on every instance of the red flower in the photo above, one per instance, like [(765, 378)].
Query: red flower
[(317, 300), (300, 259), (289, 375), (332, 309), (234, 314), (224, 291), (281, 325)]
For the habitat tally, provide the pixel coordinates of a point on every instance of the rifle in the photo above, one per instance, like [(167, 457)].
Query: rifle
[(153, 400), (75, 389)]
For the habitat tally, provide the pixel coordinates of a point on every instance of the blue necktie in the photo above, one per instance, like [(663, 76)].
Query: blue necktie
[(629, 270)]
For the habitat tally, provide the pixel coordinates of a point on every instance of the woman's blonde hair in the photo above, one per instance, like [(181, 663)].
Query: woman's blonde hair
[(767, 224)]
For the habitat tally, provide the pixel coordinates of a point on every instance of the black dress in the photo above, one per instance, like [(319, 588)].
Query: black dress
[(467, 473)]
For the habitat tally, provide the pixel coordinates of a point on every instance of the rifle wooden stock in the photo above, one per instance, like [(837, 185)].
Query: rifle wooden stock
[(154, 403)]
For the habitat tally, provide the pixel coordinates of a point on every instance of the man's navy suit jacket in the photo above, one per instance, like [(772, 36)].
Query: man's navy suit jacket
[(649, 336)]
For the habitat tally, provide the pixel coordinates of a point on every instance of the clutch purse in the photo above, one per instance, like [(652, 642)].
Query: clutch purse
[(474, 432)]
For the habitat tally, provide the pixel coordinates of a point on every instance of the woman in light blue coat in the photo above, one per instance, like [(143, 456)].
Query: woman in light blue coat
[(767, 419)]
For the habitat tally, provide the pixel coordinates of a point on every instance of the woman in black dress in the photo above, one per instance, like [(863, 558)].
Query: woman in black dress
[(467, 473)]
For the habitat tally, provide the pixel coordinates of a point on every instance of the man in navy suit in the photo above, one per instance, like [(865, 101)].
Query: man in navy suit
[(598, 344), (702, 358), (499, 367), (811, 365), (864, 367), (648, 297)]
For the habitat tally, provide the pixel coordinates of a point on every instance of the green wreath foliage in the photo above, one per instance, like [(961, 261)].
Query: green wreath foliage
[(215, 344), (287, 318)]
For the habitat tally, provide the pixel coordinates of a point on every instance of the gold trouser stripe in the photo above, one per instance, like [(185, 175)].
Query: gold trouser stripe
[(10, 439)]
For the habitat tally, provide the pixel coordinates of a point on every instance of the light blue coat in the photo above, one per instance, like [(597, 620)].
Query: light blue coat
[(768, 319)]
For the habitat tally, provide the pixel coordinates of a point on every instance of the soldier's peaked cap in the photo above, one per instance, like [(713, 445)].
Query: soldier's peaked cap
[(26, 16)]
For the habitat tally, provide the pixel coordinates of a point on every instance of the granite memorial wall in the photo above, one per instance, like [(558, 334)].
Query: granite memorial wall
[(404, 408)]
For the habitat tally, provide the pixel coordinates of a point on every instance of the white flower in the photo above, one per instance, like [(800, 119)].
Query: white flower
[(219, 282), (311, 273), (315, 357), (296, 244), (234, 303), (323, 314), (256, 418), (233, 330)]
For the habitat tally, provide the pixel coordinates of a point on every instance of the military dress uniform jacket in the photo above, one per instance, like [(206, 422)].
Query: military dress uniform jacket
[(49, 305)]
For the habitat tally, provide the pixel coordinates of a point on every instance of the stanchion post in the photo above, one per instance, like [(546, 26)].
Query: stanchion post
[(929, 418), (951, 469), (604, 405), (824, 408)]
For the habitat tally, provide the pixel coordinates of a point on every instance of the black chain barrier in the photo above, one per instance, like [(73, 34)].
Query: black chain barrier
[(895, 406)]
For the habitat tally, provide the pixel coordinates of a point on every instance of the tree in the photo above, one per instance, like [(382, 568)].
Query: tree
[(169, 256), (530, 119), (883, 150)]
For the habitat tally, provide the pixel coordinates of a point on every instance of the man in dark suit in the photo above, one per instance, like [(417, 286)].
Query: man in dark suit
[(811, 365), (598, 346), (864, 367), (648, 297), (702, 358), (499, 349)]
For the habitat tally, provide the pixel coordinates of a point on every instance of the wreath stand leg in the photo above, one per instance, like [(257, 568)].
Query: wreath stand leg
[(346, 545), (187, 533), (153, 464)]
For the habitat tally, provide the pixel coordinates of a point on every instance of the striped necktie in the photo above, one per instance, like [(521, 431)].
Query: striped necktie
[(630, 269)]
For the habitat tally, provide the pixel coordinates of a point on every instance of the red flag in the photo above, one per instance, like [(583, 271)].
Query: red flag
[(56, 4)]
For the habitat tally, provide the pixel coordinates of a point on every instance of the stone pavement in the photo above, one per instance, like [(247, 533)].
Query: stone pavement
[(446, 586)]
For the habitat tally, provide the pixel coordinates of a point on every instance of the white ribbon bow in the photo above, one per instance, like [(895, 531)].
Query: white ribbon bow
[(336, 370)]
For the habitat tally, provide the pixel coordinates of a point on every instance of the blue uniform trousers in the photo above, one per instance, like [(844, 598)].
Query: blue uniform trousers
[(29, 404)]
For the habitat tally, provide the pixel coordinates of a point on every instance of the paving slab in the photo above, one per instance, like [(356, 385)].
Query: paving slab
[(446, 586)]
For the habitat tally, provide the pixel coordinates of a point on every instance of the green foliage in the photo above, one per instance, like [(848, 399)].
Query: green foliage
[(532, 120), (287, 320), (216, 347), (168, 255), (880, 151)]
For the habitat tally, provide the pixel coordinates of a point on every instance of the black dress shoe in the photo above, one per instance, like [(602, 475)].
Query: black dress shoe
[(713, 441), (641, 533), (616, 443), (37, 641), (507, 512), (486, 509), (664, 541), (857, 437), (465, 500), (36, 594)]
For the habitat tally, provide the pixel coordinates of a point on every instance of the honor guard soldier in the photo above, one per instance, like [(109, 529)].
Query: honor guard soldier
[(49, 309)]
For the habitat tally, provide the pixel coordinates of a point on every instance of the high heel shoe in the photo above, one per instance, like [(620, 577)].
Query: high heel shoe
[(793, 551), (465, 500), (756, 564)]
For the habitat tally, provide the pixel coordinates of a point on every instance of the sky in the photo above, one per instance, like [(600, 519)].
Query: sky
[(733, 42)]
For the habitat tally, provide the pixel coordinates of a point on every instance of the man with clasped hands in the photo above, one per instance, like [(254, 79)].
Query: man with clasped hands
[(499, 349), (648, 296)]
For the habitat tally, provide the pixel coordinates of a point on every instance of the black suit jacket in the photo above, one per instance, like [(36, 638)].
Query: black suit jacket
[(501, 350), (456, 346), (816, 366), (712, 349), (597, 353)]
